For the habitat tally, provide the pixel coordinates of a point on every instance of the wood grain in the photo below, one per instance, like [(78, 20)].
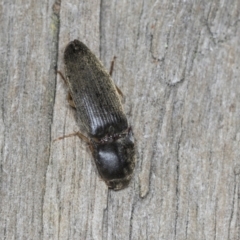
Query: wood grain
[(178, 67)]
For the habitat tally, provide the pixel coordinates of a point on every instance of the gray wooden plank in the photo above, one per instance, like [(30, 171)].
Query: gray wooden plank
[(178, 67), (28, 56)]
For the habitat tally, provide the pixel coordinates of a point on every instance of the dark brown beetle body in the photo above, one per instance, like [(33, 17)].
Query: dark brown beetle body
[(99, 108)]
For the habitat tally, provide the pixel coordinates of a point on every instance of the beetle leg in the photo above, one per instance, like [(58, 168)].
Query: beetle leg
[(85, 139), (69, 98), (112, 66), (119, 91), (62, 76), (110, 73), (70, 101), (80, 135)]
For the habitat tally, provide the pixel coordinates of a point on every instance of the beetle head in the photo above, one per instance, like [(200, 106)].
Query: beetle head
[(115, 161)]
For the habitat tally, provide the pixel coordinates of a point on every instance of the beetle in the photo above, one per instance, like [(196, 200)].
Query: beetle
[(98, 106)]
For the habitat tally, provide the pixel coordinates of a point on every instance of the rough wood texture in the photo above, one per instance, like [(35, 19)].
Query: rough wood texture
[(178, 66)]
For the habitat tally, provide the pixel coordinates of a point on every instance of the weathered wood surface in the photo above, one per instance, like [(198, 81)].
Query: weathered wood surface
[(178, 64)]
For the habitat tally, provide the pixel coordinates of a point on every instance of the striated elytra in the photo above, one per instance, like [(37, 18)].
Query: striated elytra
[(99, 108)]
